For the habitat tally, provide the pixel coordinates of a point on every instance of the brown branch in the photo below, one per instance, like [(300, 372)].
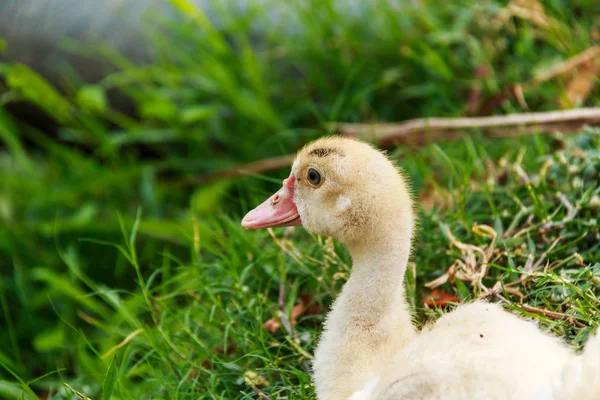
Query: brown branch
[(427, 130), (255, 167), (421, 131), (260, 393), (551, 314), (554, 315)]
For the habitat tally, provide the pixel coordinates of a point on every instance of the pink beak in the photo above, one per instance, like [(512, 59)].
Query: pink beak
[(277, 210)]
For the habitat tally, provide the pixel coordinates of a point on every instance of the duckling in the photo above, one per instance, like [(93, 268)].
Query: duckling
[(369, 348)]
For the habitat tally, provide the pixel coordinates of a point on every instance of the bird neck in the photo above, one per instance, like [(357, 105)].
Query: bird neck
[(375, 288), (370, 320)]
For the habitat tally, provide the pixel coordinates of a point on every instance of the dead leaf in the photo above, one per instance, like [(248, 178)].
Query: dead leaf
[(427, 198), (439, 298), (517, 92), (433, 196), (531, 10), (297, 311), (583, 82), (311, 307), (531, 5), (272, 325), (304, 307), (481, 72)]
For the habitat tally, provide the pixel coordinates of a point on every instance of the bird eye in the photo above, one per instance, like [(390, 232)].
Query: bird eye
[(313, 176)]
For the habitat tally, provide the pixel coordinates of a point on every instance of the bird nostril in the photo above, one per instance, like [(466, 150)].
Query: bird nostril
[(275, 200)]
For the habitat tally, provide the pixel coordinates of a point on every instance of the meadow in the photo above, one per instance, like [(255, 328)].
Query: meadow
[(124, 272)]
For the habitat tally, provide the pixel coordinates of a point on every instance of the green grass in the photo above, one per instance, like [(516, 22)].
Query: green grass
[(117, 280), (193, 328)]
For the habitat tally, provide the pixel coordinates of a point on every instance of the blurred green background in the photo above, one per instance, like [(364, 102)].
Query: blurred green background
[(111, 235)]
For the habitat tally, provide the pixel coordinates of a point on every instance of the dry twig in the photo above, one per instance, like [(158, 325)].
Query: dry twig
[(260, 393), (422, 131), (551, 314), (255, 167)]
